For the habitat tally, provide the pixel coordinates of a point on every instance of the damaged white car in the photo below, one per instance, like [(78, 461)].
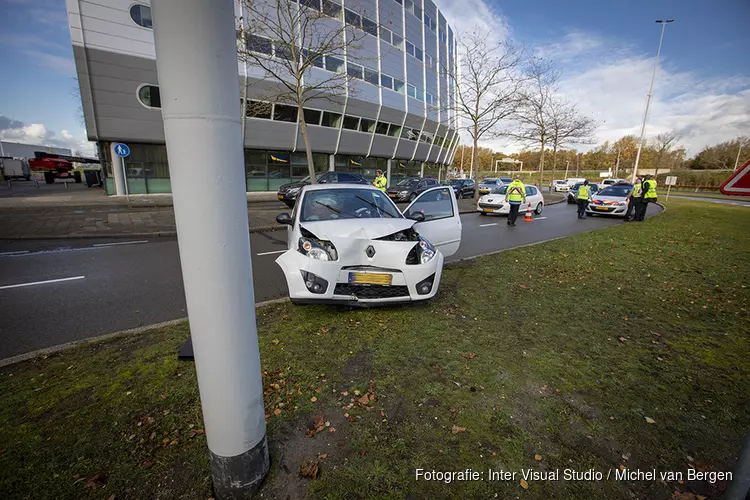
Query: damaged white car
[(351, 245)]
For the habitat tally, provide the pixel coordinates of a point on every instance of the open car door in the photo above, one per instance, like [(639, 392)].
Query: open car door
[(442, 223)]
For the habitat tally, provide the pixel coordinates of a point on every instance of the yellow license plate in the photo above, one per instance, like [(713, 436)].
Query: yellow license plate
[(281, 197), (489, 210), (370, 278), (602, 208)]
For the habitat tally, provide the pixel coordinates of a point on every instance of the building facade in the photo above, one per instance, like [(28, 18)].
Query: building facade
[(397, 116), (19, 150)]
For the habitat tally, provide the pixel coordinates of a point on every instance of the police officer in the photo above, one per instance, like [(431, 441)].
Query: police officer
[(380, 181), (584, 195), (634, 200), (515, 194), (649, 196)]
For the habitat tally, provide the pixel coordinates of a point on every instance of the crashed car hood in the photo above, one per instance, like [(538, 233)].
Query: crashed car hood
[(371, 229), (608, 198)]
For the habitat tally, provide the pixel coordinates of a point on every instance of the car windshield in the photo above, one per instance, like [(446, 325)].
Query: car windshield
[(333, 204), (506, 180), (408, 181), (451, 182), (306, 180), (560, 182), (616, 191), (489, 181), (500, 190)]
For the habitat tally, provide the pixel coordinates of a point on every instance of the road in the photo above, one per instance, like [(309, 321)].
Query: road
[(56, 292)]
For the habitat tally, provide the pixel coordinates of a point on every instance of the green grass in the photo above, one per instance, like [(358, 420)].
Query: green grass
[(521, 349), (703, 194)]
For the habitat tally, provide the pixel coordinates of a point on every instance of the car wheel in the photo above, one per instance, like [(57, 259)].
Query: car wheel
[(539, 208), (413, 197), (460, 195), (482, 213)]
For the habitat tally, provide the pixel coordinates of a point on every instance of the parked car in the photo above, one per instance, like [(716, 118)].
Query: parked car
[(463, 188), (505, 180), (611, 200), (573, 192), (351, 245), (494, 203), (288, 192), (572, 181), (558, 186), (410, 188), (488, 184)]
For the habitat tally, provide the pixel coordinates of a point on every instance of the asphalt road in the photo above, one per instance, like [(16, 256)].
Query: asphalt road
[(95, 287)]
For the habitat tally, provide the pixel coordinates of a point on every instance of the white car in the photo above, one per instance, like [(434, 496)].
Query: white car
[(559, 185), (350, 245), (612, 200), (494, 203), (573, 181)]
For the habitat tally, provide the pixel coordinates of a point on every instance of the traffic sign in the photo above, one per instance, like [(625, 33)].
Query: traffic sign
[(671, 180), (739, 182), (122, 150)]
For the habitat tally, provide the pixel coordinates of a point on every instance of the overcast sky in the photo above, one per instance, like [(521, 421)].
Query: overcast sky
[(605, 49)]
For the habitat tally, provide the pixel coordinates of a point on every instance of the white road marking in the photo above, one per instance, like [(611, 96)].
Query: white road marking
[(42, 282), (539, 218), (120, 243), (20, 252), (270, 253), (485, 225)]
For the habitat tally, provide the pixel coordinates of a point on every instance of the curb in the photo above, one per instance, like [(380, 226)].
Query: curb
[(107, 336), (156, 234)]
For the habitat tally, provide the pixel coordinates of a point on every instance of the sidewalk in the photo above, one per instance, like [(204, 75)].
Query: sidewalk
[(114, 217)]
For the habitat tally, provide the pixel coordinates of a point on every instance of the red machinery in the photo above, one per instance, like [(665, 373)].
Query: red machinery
[(54, 168)]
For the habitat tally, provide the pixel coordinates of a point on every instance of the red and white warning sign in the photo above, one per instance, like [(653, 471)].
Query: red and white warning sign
[(739, 182)]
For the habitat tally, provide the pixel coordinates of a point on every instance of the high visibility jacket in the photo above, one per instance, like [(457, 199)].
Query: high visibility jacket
[(650, 191), (516, 192), (637, 191), (584, 192), (380, 182)]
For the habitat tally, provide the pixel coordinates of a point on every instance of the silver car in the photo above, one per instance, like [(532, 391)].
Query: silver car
[(612, 200)]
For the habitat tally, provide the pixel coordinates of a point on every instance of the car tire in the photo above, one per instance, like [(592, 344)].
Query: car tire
[(539, 208), (482, 213), (460, 195), (412, 197)]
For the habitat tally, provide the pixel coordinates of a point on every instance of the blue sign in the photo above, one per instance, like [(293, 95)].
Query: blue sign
[(122, 150)]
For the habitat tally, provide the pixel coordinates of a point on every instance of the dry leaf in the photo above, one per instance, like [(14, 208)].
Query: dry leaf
[(277, 412), (456, 429), (524, 484), (364, 399), (309, 469), (325, 330), (650, 420), (323, 456), (469, 355), (147, 464), (538, 458), (313, 399), (275, 341), (331, 430), (622, 339), (96, 481)]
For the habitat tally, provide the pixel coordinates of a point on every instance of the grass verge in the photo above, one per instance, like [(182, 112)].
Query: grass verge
[(621, 347), (702, 194)]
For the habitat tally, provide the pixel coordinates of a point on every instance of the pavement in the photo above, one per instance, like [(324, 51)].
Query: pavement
[(58, 291)]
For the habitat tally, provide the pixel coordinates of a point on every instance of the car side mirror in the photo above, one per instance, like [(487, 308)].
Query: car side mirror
[(416, 216), (284, 218)]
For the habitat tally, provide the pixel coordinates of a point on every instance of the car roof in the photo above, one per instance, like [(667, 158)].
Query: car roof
[(340, 185)]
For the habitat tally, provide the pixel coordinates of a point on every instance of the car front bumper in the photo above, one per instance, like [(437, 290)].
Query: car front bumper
[(398, 197), (288, 198), (491, 208), (618, 210), (403, 287)]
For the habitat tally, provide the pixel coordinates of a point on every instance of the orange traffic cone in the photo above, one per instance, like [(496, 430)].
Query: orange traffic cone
[(528, 217)]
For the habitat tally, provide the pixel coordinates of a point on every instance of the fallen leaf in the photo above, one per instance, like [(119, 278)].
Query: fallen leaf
[(683, 495), (494, 453), (469, 355), (538, 458), (96, 481), (524, 484), (357, 393), (275, 341), (622, 467), (364, 400), (650, 420), (147, 464), (309, 469), (322, 456), (164, 396), (196, 432), (456, 429), (111, 497), (325, 330), (277, 412), (331, 430), (173, 442), (313, 399), (622, 339)]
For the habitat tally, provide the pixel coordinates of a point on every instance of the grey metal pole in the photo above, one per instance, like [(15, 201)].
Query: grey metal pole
[(118, 171), (648, 99), (198, 82), (740, 483), (388, 170), (737, 161)]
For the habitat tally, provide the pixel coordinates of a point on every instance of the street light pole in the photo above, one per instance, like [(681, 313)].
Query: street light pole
[(737, 161), (648, 99)]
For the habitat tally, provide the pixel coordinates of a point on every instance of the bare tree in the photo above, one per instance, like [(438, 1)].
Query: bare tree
[(534, 113), (663, 144), (290, 41), (487, 84), (568, 126)]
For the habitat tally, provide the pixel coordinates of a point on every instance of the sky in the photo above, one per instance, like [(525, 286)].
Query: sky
[(604, 49)]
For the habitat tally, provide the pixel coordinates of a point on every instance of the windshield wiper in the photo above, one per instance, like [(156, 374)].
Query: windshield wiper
[(376, 207), (334, 210)]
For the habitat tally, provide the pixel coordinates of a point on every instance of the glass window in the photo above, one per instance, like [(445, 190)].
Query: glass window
[(428, 60), (398, 85), (386, 81), (420, 94), (407, 133), (398, 41), (351, 122), (409, 6), (366, 125), (411, 91), (313, 59), (409, 48), (352, 18), (331, 9), (399, 2), (313, 4), (149, 96), (141, 15), (370, 27), (385, 34), (394, 130), (354, 70), (418, 53), (434, 205), (331, 119), (284, 113), (332, 204), (334, 63), (530, 190), (259, 44), (372, 76), (283, 51), (312, 116), (381, 128), (418, 12), (258, 109)]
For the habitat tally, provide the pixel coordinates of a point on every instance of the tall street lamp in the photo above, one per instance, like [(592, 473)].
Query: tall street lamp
[(650, 93)]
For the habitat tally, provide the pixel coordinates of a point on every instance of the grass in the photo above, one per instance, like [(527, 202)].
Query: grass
[(702, 194), (559, 350)]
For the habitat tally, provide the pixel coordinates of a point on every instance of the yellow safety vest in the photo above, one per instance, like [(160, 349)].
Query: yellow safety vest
[(380, 182), (584, 193), (516, 191), (651, 193), (637, 190)]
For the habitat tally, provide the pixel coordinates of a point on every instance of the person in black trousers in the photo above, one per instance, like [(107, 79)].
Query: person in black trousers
[(584, 195), (634, 200)]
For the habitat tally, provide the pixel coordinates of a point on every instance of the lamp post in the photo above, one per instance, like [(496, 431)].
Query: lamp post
[(650, 94)]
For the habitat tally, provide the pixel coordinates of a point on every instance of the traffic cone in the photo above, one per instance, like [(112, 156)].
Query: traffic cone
[(528, 217)]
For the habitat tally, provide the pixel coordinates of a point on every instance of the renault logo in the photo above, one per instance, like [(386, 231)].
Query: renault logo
[(370, 251)]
